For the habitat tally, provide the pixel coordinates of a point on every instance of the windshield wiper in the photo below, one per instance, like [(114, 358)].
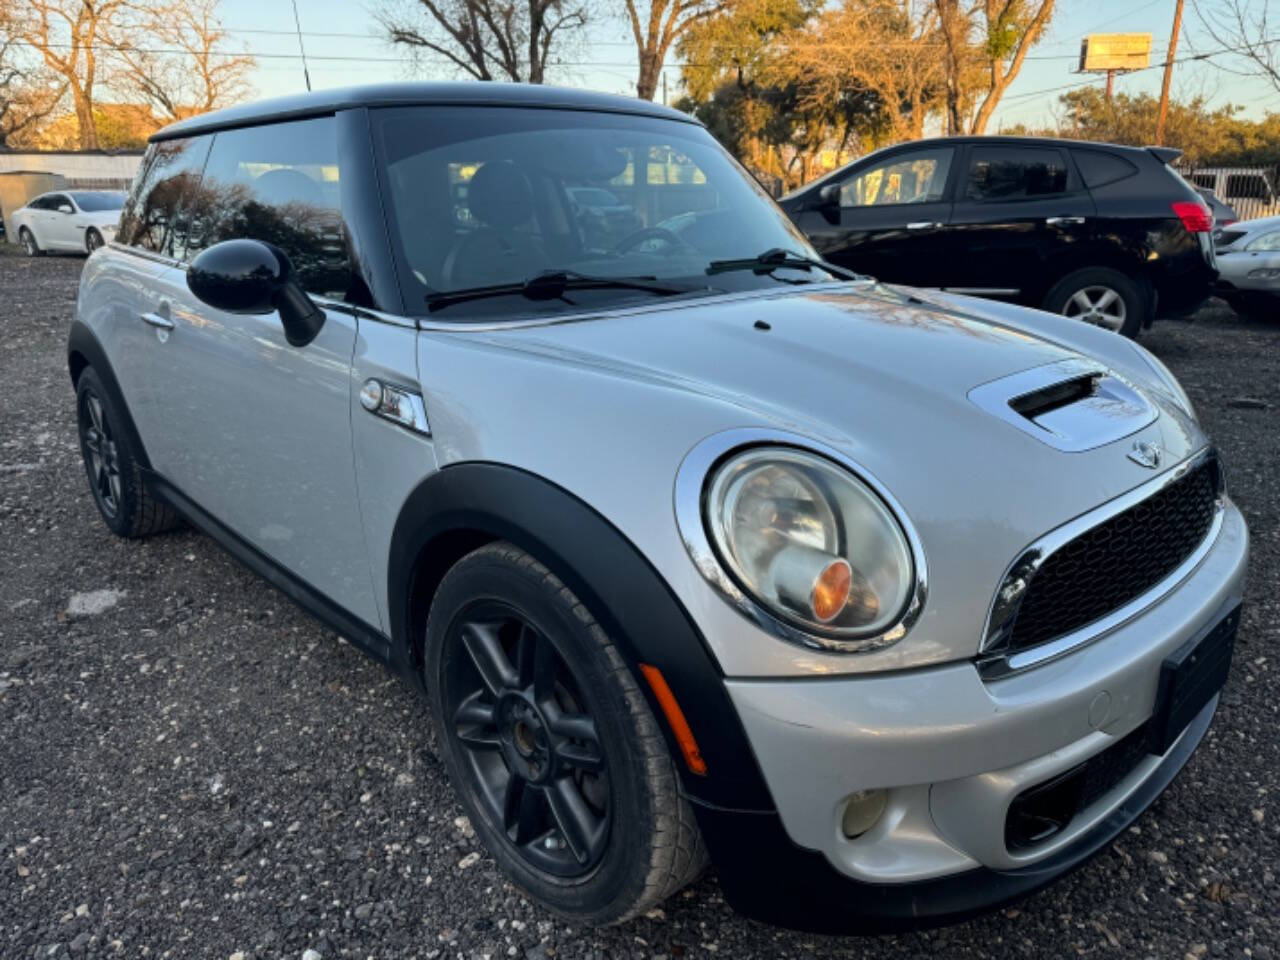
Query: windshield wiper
[(553, 284), (776, 258)]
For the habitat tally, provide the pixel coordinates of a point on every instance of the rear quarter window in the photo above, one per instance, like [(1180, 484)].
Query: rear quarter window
[(1099, 168), (1005, 173)]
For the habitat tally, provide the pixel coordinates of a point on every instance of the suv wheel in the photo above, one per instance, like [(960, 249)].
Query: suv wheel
[(1098, 295), (550, 744), (115, 478), (29, 245)]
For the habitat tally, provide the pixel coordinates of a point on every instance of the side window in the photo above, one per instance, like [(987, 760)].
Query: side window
[(279, 183), (39, 203), (1097, 168), (917, 177), (1015, 173), (152, 218), (56, 202)]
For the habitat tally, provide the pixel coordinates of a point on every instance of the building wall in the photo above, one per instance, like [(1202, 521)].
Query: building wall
[(85, 171)]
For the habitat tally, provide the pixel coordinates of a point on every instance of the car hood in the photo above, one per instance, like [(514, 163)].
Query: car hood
[(882, 379)]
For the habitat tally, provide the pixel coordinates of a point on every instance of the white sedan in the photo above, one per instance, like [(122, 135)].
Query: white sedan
[(1249, 267), (78, 220)]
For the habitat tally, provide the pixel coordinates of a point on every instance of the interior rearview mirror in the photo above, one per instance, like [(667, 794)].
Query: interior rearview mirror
[(252, 277)]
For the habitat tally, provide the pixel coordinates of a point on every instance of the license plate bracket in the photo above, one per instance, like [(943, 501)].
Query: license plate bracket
[(1190, 677)]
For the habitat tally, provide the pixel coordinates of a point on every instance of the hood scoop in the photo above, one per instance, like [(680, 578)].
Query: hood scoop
[(1072, 405)]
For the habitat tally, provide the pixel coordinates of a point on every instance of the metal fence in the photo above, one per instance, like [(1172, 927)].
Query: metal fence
[(1252, 191)]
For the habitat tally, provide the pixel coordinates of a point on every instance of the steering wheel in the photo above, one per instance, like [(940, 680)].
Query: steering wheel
[(637, 237)]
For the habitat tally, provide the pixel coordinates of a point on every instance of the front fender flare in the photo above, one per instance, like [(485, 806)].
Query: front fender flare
[(628, 597)]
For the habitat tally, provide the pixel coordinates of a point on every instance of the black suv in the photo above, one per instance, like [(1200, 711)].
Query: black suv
[(1105, 233)]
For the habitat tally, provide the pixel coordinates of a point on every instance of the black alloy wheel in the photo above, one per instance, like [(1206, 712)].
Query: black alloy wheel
[(101, 455), (528, 741)]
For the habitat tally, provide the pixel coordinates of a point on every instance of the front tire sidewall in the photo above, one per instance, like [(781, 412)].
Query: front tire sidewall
[(92, 241), (121, 522), (1135, 303), (609, 892)]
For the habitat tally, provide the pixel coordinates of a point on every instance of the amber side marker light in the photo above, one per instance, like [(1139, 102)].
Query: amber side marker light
[(675, 716)]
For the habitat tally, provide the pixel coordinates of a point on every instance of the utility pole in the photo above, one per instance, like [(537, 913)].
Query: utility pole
[(1111, 80), (664, 86), (1168, 73)]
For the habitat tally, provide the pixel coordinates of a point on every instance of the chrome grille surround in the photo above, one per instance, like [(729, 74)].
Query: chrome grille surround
[(999, 657)]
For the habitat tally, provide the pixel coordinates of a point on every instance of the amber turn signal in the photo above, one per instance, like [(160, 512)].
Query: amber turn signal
[(831, 590), (675, 717)]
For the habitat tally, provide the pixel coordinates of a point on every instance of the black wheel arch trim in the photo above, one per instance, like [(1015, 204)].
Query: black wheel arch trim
[(628, 597), (84, 349)]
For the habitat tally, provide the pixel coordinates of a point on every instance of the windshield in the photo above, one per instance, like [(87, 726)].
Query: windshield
[(488, 196), (93, 201)]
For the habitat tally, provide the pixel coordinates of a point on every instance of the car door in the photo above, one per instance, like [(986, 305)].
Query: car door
[(1018, 210), (886, 215), (255, 431), (59, 224)]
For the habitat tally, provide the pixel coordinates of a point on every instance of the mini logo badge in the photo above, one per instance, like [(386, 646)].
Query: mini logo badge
[(1145, 454)]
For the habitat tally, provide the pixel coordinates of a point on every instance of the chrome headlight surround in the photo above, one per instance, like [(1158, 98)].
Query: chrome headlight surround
[(694, 482)]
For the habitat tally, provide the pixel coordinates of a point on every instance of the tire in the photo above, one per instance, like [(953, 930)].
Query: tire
[(92, 240), (556, 731), (1101, 296), (116, 480), (29, 245)]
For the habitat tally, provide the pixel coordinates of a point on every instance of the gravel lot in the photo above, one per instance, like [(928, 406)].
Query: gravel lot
[(192, 767)]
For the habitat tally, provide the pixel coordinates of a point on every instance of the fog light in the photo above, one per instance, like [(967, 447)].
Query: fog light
[(861, 811)]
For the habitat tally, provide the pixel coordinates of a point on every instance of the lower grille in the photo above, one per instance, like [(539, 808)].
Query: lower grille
[(1117, 561), (1044, 810)]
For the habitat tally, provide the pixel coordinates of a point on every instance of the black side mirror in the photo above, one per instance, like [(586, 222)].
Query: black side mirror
[(252, 277)]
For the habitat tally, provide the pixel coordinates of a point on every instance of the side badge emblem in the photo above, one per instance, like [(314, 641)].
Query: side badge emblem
[(1145, 454)]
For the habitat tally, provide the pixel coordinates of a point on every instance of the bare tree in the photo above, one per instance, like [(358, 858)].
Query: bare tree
[(887, 48), (181, 63), (28, 93), (666, 22), (1012, 28), (70, 36), (487, 39), (1244, 27)]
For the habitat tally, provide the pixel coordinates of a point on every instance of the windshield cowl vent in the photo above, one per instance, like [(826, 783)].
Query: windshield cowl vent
[(1073, 405)]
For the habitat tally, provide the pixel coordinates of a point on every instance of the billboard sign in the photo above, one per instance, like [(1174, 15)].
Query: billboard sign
[(1115, 51)]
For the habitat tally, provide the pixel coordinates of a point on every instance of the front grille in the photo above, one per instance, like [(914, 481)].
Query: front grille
[(1118, 560)]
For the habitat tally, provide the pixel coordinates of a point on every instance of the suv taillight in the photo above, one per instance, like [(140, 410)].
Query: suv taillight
[(1194, 216)]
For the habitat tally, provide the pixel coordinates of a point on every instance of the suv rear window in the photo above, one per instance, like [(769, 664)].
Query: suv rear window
[(1098, 168), (1015, 173)]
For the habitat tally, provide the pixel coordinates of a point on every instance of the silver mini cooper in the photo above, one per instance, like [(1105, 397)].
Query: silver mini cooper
[(892, 605)]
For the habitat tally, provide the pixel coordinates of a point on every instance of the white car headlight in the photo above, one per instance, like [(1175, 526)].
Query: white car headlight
[(812, 544), (1265, 243)]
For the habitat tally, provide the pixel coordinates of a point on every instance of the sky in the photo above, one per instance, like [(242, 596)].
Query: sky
[(606, 59)]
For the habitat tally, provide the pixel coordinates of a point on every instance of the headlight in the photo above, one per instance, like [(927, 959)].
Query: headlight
[(1165, 376), (813, 545), (1266, 242)]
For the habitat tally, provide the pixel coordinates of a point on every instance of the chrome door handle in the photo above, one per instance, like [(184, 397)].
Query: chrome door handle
[(156, 320), (923, 225), (1056, 221)]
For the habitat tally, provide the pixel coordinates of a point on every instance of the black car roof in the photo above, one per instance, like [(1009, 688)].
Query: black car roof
[(407, 94)]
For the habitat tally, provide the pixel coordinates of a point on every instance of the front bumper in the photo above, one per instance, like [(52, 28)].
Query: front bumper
[(953, 751)]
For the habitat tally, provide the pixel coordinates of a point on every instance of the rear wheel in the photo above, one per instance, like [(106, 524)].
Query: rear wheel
[(1101, 296), (115, 475), (29, 245), (550, 744)]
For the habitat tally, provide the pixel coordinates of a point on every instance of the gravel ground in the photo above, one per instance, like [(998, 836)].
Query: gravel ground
[(192, 767)]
